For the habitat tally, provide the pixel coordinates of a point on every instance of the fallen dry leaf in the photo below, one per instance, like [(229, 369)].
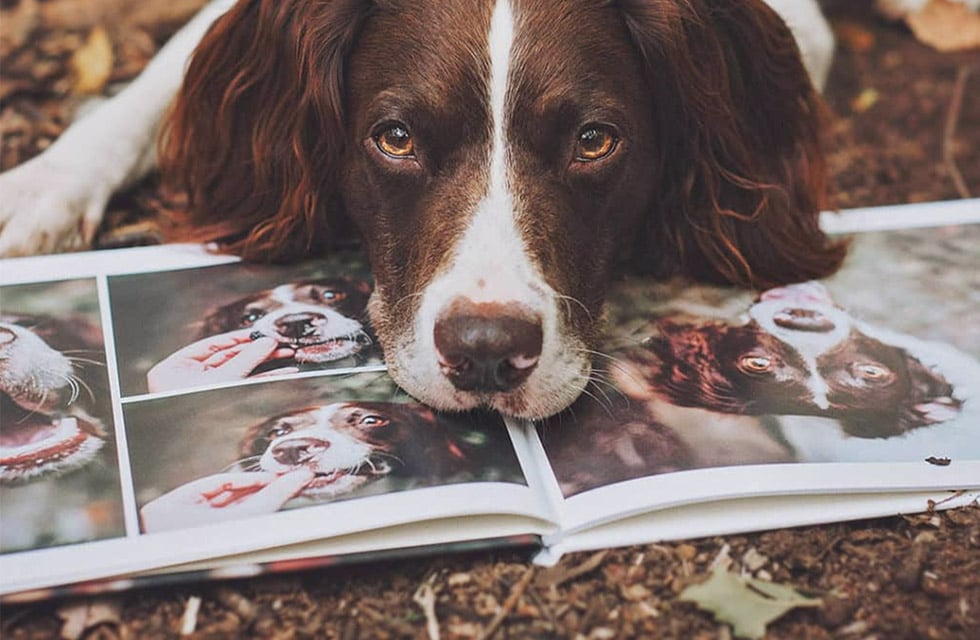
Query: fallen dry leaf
[(747, 604), (946, 26), (92, 63)]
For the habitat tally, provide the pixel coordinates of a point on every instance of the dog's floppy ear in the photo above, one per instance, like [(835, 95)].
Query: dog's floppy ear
[(741, 176), (256, 131)]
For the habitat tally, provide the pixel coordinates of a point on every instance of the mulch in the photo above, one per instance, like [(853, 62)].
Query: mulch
[(906, 129)]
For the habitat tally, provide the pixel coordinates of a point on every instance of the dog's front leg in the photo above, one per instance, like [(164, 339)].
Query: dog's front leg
[(55, 201)]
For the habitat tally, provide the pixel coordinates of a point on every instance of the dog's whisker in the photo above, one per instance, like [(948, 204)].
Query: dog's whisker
[(567, 299), (600, 382), (602, 402), (250, 463), (75, 385), (405, 299)]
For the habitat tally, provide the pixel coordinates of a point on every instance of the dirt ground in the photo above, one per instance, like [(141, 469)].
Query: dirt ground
[(906, 128)]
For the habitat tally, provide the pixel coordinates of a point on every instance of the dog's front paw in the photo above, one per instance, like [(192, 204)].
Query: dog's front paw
[(47, 208)]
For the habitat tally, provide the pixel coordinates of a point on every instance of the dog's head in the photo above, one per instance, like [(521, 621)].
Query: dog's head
[(349, 444), (499, 158), (319, 319), (800, 354), (45, 427)]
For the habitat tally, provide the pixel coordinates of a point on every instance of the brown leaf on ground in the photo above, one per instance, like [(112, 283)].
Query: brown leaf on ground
[(946, 26), (92, 64)]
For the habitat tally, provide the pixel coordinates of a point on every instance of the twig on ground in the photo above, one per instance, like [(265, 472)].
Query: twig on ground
[(558, 575), (949, 134), (188, 622), (509, 603), (425, 597)]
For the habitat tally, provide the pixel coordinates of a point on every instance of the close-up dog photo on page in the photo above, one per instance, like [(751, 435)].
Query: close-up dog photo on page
[(59, 482), (701, 377), (192, 328), (212, 456)]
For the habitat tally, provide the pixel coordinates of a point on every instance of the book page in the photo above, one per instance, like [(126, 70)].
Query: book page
[(162, 406), (867, 382)]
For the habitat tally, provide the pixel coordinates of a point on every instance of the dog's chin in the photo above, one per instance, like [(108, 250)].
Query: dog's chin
[(37, 445), (540, 397)]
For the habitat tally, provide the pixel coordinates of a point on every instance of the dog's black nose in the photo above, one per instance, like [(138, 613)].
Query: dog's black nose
[(297, 451), (297, 325), (487, 347)]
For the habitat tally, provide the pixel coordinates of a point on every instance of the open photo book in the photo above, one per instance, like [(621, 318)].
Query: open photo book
[(170, 414)]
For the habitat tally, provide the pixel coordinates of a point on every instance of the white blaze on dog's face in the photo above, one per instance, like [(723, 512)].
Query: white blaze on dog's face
[(506, 186), (805, 317)]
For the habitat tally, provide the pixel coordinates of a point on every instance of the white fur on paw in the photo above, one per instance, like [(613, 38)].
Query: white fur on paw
[(45, 208)]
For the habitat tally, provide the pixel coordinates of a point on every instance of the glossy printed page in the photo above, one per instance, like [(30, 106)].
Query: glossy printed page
[(295, 447), (867, 381)]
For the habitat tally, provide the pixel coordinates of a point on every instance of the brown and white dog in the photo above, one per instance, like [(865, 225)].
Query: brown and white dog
[(46, 427), (350, 444), (320, 319), (498, 158), (798, 353)]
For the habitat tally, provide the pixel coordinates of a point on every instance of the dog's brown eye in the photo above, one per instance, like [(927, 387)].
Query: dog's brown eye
[(595, 141), (278, 431), (870, 372), (396, 142), (373, 421), (251, 316), (327, 295), (756, 363)]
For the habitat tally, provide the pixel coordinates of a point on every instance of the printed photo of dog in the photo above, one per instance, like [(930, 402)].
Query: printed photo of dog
[(59, 479), (318, 319), (216, 325), (299, 443), (794, 378)]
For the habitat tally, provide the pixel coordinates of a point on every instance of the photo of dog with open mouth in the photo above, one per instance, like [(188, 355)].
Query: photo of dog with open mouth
[(224, 324), (795, 378), (58, 475), (46, 429), (350, 444), (318, 320), (205, 457)]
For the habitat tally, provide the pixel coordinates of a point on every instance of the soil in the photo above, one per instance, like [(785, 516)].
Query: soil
[(906, 122)]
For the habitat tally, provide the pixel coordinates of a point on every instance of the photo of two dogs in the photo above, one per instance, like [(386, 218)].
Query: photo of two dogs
[(499, 173)]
